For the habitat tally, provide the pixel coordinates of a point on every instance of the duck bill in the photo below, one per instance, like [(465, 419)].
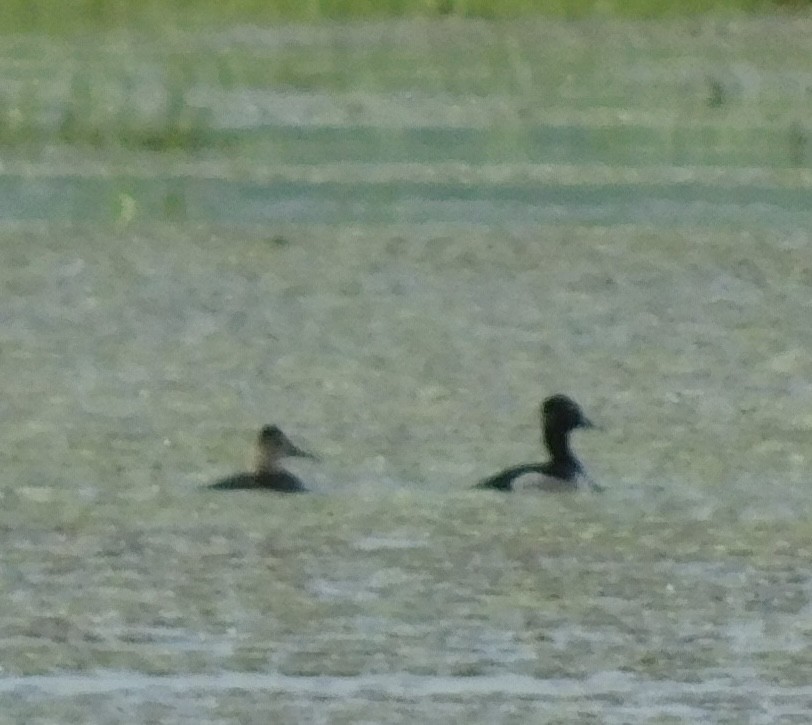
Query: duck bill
[(587, 423), (294, 451)]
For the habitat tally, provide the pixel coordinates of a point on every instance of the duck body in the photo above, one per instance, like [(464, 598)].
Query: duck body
[(542, 476), (560, 415), (280, 480), (272, 446)]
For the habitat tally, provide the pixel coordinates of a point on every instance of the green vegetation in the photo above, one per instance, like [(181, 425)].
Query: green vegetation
[(306, 94), (59, 16)]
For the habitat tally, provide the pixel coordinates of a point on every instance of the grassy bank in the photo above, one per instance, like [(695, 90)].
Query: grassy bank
[(620, 92), (56, 16)]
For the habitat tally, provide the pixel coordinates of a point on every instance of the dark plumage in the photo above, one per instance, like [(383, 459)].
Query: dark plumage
[(272, 446), (559, 416)]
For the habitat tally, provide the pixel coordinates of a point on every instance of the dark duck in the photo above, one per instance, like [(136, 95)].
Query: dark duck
[(560, 415), (272, 446)]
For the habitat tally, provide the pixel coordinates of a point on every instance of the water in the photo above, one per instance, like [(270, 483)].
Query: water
[(690, 701), (396, 266), (66, 199)]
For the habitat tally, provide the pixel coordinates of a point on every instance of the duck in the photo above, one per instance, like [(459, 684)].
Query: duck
[(272, 446), (559, 415)]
